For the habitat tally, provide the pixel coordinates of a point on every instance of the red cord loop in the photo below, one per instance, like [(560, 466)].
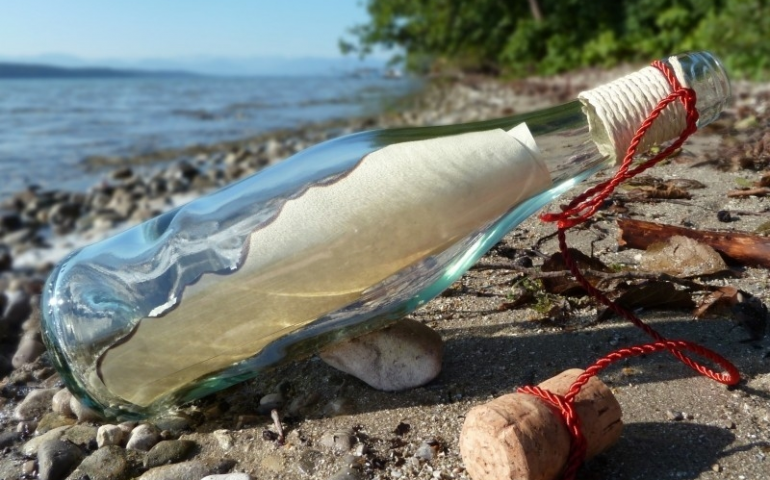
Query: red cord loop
[(581, 209)]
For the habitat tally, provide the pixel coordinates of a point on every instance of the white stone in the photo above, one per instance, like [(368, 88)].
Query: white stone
[(61, 403), (83, 413), (109, 435), (142, 438), (405, 355)]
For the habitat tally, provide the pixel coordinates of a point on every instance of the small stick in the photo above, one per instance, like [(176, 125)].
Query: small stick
[(278, 427)]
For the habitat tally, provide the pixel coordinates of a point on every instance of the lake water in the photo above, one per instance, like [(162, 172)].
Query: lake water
[(47, 127)]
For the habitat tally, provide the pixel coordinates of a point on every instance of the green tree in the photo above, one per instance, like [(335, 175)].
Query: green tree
[(520, 37)]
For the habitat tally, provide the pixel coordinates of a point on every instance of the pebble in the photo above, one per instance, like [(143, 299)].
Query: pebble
[(17, 306), (168, 451), (427, 450), (61, 403), (107, 463), (35, 404), (176, 423), (223, 438), (674, 416), (9, 438), (56, 459), (269, 402), (84, 413), (339, 441), (193, 470), (405, 355), (348, 473), (229, 476), (142, 438), (107, 435), (52, 420), (30, 347), (83, 435), (31, 447)]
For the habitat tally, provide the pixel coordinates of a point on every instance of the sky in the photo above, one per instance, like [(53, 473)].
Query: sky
[(138, 29)]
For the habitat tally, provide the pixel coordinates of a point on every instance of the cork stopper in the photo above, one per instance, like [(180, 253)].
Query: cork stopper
[(518, 436)]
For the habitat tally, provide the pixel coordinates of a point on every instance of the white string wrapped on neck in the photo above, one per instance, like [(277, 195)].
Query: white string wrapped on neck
[(616, 110)]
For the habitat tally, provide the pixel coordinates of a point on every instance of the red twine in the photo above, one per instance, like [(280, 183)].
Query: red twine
[(581, 209)]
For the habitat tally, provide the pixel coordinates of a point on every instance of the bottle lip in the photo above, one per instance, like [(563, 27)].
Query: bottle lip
[(705, 73)]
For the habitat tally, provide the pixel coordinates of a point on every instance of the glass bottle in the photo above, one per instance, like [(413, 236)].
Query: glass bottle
[(340, 239)]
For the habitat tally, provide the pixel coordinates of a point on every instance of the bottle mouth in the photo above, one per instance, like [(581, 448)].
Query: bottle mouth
[(704, 73)]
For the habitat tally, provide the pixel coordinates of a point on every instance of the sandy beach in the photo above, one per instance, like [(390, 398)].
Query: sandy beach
[(677, 424)]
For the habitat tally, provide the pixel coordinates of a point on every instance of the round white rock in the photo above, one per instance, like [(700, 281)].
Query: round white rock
[(404, 355)]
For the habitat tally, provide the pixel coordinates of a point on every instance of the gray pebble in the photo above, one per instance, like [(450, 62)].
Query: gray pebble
[(175, 423), (61, 403), (143, 438), (405, 355), (17, 306), (348, 473), (52, 420), (427, 450), (56, 459), (193, 470), (83, 413), (107, 435), (83, 435), (269, 402), (340, 441), (9, 438), (30, 347), (107, 463), (168, 451), (35, 404), (30, 448)]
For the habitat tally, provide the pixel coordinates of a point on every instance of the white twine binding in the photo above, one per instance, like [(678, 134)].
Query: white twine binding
[(616, 110)]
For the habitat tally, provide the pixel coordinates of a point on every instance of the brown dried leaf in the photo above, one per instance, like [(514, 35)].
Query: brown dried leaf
[(651, 295), (661, 191), (684, 183), (566, 285), (725, 296), (682, 257)]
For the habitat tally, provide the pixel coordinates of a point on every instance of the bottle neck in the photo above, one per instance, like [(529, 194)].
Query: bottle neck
[(594, 131)]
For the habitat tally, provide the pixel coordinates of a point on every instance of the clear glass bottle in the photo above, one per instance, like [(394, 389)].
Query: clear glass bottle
[(340, 239)]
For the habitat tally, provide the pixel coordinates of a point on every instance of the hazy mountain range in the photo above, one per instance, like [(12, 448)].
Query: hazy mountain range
[(210, 65)]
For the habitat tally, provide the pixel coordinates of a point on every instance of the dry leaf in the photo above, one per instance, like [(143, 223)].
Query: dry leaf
[(566, 285), (746, 310), (651, 295), (682, 257), (725, 296)]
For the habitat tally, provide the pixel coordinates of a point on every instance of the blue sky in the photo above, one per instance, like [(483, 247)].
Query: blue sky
[(134, 29)]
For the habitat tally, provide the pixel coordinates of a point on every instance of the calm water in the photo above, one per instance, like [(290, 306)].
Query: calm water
[(47, 127)]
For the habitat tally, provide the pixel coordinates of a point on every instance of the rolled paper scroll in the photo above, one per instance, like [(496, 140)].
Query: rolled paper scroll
[(323, 251)]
